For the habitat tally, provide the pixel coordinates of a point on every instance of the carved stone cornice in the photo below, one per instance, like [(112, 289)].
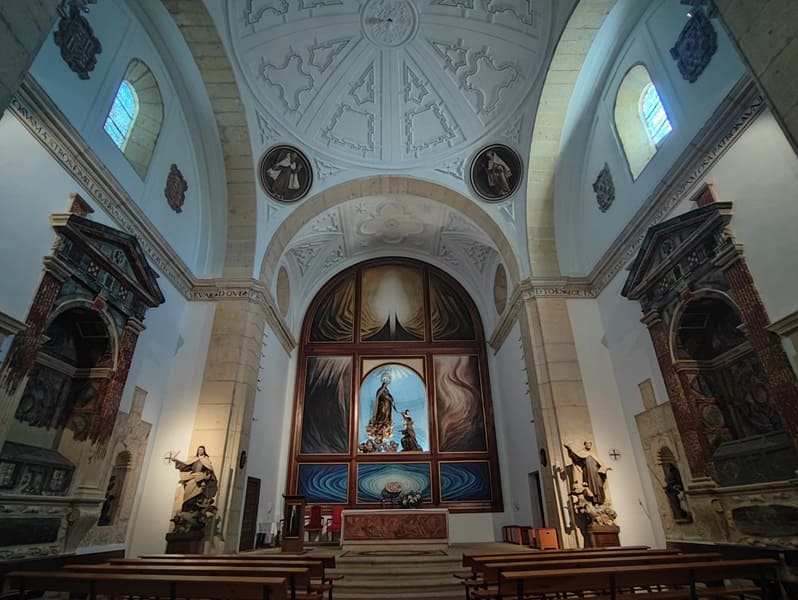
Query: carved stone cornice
[(215, 290), (9, 325), (37, 112), (737, 111), (537, 287), (787, 326)]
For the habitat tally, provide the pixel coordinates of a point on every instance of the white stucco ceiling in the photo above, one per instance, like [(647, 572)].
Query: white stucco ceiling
[(392, 82), (390, 225)]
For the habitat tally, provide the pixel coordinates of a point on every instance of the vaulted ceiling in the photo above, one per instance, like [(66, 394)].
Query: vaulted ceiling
[(413, 88)]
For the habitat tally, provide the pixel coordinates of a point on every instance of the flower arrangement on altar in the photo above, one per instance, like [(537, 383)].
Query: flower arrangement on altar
[(411, 499)]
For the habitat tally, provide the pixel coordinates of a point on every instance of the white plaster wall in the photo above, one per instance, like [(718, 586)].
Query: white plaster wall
[(32, 186), (582, 231), (169, 364), (759, 174), (515, 432), (271, 427), (614, 427), (85, 103)]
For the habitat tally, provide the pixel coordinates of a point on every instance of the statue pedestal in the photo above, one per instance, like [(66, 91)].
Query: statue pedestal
[(603, 536), (190, 542)]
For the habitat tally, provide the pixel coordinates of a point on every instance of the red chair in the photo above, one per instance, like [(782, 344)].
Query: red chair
[(314, 524), (334, 526)]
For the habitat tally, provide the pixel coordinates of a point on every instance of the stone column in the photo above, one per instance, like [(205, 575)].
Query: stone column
[(25, 347), (559, 401), (766, 36), (226, 404), (102, 424), (24, 27), (689, 422), (782, 383)]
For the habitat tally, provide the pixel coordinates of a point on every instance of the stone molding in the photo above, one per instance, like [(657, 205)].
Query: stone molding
[(9, 325), (786, 326), (218, 290), (37, 112)]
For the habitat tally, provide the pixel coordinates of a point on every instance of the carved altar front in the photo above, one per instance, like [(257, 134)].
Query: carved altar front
[(428, 527)]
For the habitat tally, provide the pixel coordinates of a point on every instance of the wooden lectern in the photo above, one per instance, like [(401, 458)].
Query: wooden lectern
[(293, 533)]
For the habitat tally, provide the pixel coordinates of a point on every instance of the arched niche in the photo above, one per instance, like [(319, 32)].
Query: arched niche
[(393, 393)]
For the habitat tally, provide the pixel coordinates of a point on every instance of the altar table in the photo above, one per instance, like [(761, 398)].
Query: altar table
[(378, 527)]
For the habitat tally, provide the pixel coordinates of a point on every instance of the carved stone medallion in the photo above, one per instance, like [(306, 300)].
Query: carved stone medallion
[(285, 173), (79, 47), (175, 190), (389, 23), (696, 44), (496, 172), (604, 188)]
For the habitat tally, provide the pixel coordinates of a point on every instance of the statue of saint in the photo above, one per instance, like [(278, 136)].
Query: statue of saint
[(381, 424), (409, 441), (594, 474), (198, 480)]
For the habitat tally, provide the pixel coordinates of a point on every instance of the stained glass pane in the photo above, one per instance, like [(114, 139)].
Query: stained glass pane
[(123, 113), (654, 116)]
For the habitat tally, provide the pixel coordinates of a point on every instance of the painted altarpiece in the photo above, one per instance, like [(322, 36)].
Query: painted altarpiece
[(393, 393)]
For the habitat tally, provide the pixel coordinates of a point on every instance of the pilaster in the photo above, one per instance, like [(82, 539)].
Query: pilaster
[(224, 411), (559, 402)]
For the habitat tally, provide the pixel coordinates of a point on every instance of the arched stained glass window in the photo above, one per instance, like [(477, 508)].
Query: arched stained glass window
[(653, 114), (122, 115)]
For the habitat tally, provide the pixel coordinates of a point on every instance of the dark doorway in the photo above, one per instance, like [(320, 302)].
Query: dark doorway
[(249, 520)]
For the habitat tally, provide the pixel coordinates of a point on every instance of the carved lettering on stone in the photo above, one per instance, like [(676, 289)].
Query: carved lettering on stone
[(175, 190)]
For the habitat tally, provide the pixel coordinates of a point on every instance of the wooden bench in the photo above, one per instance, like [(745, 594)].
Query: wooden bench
[(154, 586), (298, 576), (488, 572), (687, 581), (470, 558), (321, 581)]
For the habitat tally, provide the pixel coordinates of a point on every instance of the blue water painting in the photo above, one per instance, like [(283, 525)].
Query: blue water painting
[(464, 482), (372, 479), (323, 483)]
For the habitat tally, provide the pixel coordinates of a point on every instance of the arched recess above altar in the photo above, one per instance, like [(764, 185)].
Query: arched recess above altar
[(392, 403)]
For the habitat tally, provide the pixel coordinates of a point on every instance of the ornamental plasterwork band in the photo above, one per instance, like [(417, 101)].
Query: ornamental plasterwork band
[(36, 111)]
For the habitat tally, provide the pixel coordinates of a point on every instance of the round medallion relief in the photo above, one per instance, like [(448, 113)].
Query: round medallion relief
[(496, 172), (389, 23), (285, 173)]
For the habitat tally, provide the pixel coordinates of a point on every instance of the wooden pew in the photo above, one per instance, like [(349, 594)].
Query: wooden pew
[(686, 581), (488, 572), (316, 565), (326, 557), (155, 586), (470, 558), (299, 584)]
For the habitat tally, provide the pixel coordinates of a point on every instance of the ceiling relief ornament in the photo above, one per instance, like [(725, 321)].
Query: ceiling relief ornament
[(285, 173), (175, 190), (334, 75), (695, 46), (391, 224), (604, 189), (453, 168), (389, 23), (512, 133), (266, 132), (325, 169), (291, 79), (496, 172), (75, 38)]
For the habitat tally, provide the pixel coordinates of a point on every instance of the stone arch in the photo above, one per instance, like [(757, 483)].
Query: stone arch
[(202, 39), (569, 56), (386, 184)]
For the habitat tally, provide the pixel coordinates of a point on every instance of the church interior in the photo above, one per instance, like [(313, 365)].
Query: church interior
[(507, 263)]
